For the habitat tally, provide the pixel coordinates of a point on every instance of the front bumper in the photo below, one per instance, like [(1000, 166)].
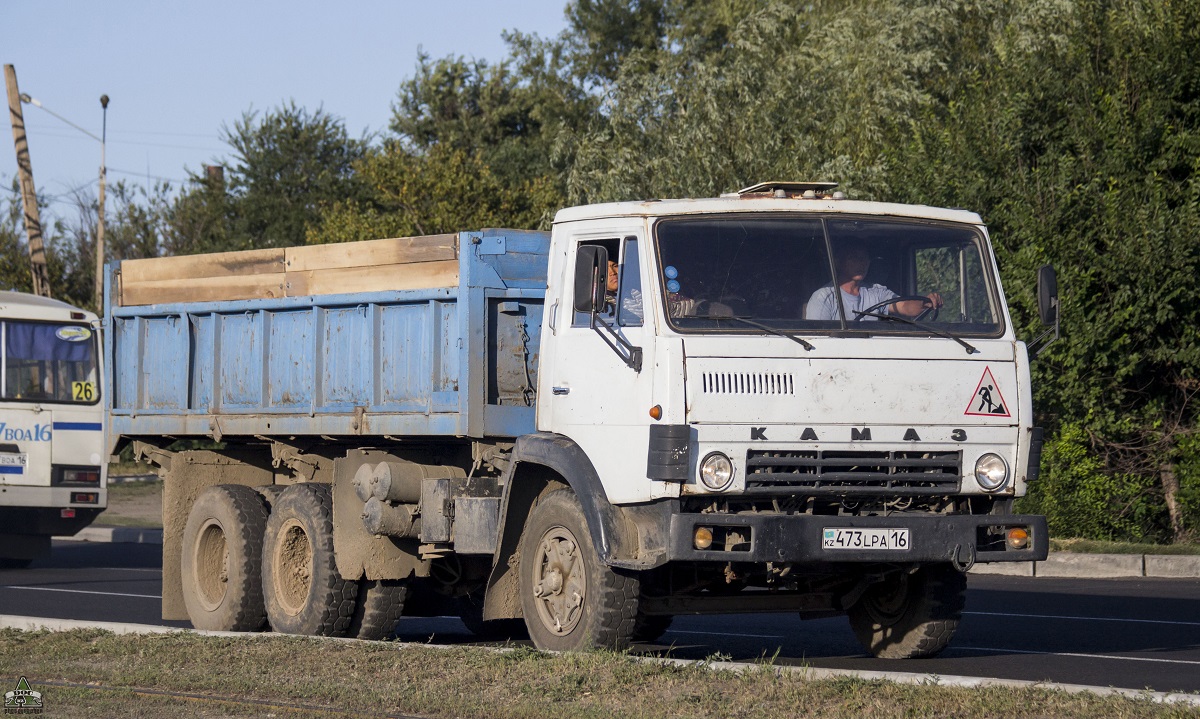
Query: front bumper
[(798, 538)]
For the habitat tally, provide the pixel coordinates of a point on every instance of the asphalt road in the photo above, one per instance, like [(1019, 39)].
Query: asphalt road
[(1130, 633)]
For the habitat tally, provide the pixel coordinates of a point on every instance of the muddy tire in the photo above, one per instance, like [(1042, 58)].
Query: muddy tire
[(303, 591), (221, 559), (912, 615), (570, 599), (378, 607), (650, 628)]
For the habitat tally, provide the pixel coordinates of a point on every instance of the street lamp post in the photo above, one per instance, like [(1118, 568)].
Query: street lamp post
[(100, 211)]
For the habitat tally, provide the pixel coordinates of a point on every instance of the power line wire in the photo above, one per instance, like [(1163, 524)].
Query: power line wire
[(146, 174), (50, 133)]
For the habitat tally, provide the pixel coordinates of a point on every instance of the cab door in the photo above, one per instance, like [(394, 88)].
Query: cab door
[(595, 397)]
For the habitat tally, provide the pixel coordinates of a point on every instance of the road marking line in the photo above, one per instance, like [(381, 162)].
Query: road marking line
[(82, 591), (1087, 619), (726, 634), (1077, 655)]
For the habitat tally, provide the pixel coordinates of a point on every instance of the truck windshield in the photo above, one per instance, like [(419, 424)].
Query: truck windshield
[(816, 274), (43, 362)]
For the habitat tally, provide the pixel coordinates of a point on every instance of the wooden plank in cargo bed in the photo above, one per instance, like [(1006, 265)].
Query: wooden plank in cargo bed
[(406, 263), (217, 264), (371, 253), (243, 275), (409, 276)]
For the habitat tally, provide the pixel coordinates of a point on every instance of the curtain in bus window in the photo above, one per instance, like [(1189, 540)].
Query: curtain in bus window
[(63, 343)]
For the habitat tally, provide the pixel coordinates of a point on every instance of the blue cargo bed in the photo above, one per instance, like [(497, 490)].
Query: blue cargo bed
[(442, 361)]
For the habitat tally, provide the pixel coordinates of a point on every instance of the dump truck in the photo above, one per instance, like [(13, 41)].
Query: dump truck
[(52, 479), (658, 408)]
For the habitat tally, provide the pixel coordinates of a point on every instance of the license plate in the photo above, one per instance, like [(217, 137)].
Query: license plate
[(13, 460), (865, 539)]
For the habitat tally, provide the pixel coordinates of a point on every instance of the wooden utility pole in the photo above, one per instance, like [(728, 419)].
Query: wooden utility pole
[(33, 222)]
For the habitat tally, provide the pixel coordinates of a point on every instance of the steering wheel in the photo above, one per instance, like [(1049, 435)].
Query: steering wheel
[(931, 310)]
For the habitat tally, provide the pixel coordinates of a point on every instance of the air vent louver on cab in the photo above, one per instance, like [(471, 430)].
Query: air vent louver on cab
[(747, 383)]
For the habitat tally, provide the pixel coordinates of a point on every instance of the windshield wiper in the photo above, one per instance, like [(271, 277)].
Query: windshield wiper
[(767, 328), (940, 333)]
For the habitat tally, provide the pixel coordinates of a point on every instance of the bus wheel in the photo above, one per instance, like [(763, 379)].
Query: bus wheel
[(303, 591), (571, 600), (911, 615), (220, 563)]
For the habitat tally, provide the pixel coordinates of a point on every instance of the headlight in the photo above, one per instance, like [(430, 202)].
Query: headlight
[(991, 472), (716, 471)]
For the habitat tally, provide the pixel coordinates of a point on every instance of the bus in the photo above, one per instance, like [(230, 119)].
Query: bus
[(52, 471)]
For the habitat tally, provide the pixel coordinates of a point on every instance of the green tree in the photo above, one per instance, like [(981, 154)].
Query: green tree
[(286, 165)]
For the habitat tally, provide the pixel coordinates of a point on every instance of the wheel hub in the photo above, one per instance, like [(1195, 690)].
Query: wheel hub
[(559, 581)]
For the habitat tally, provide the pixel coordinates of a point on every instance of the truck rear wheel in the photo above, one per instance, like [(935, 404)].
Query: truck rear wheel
[(304, 592), (221, 559), (913, 615), (378, 607), (571, 600)]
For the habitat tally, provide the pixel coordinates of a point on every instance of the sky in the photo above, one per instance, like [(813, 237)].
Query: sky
[(176, 72)]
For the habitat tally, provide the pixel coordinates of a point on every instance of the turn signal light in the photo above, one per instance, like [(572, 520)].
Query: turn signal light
[(1018, 537), (656, 412), (85, 498), (703, 538)]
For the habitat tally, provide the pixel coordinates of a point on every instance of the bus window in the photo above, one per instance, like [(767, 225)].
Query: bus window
[(49, 363)]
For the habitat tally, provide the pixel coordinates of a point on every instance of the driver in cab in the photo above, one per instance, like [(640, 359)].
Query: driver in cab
[(853, 261)]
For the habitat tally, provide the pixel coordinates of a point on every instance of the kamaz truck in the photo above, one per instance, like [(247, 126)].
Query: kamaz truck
[(777, 400)]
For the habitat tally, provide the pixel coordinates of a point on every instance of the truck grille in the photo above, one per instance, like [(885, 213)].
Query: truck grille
[(853, 474), (747, 383)]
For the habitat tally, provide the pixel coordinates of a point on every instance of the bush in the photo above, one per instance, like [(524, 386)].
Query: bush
[(1188, 469), (1080, 499)]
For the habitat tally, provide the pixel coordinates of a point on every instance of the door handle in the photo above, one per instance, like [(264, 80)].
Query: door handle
[(561, 390)]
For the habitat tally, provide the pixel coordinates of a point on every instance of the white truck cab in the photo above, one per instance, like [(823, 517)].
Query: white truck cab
[(823, 386), (52, 479)]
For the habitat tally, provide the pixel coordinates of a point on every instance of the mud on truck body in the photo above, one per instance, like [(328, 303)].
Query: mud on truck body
[(485, 423)]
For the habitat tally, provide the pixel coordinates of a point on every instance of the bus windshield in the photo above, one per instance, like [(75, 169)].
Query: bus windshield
[(44, 362), (813, 274)]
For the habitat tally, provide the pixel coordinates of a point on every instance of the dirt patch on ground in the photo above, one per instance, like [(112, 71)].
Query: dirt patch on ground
[(133, 504)]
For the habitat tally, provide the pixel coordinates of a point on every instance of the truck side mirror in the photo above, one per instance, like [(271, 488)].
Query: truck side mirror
[(591, 278), (1047, 289)]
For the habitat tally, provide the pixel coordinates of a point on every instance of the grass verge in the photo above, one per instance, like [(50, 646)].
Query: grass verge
[(98, 674), (1096, 546)]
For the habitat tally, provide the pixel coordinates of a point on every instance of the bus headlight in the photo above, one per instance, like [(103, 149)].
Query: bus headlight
[(991, 472), (716, 471)]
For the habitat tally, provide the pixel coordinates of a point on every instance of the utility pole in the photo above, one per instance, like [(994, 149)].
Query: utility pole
[(33, 222), (100, 213)]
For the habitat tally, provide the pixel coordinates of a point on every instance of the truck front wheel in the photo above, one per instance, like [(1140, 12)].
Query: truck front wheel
[(220, 563), (571, 600), (910, 615), (304, 592)]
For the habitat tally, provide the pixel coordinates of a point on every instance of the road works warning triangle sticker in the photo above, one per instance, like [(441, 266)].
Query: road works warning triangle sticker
[(987, 400)]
